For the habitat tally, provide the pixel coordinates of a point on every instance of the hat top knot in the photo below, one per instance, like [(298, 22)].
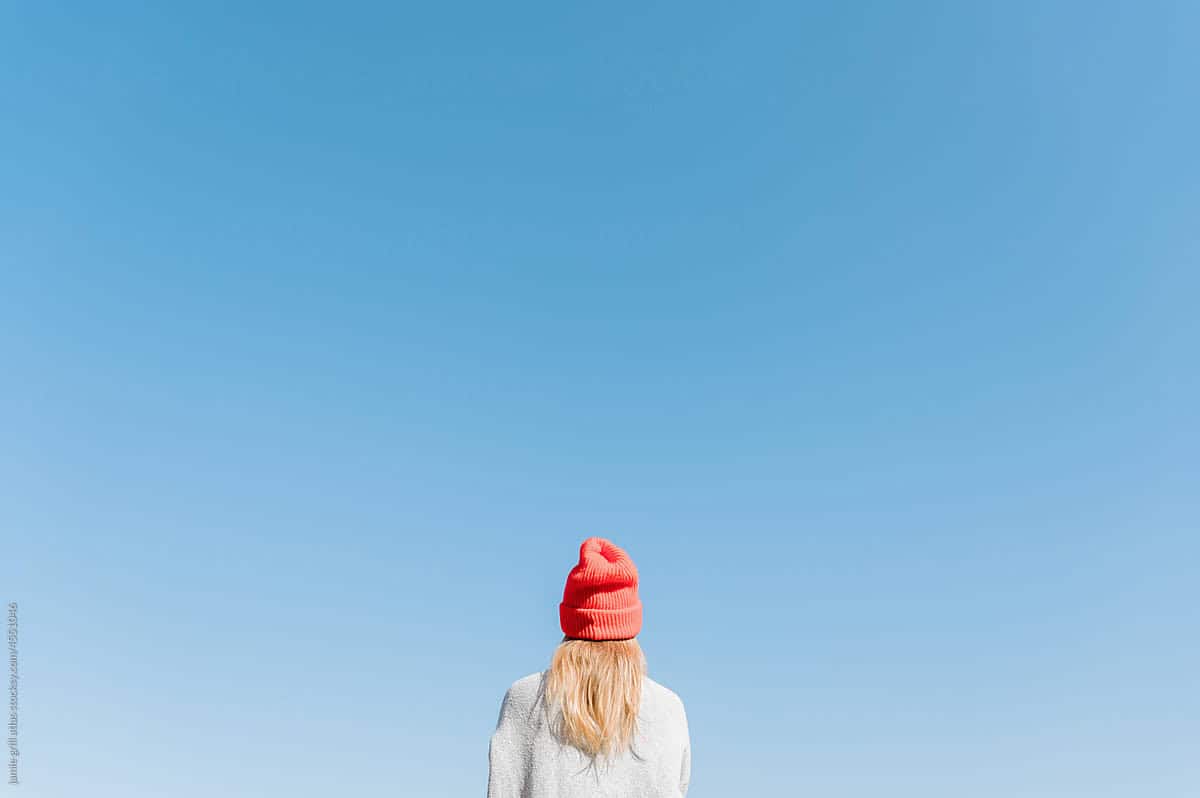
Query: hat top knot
[(598, 554)]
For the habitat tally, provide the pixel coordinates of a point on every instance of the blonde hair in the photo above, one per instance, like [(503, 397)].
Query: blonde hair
[(594, 690)]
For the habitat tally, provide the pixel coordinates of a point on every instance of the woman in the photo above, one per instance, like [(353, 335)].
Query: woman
[(593, 724)]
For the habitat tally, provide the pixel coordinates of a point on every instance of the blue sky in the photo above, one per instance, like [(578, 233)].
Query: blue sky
[(869, 330)]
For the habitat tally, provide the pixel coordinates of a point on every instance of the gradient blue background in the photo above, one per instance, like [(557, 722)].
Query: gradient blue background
[(870, 330)]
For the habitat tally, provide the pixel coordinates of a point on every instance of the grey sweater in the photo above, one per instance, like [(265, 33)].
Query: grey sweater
[(528, 761)]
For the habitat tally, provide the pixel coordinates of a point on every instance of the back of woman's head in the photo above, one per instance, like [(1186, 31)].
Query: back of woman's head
[(594, 690), (594, 685)]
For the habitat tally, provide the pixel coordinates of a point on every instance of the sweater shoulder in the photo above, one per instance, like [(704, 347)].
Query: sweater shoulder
[(524, 692), (664, 696)]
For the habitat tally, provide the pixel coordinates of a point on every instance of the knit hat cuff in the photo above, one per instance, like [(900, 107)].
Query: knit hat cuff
[(593, 624)]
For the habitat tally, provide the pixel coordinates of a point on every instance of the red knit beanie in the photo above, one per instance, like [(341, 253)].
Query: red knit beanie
[(600, 601)]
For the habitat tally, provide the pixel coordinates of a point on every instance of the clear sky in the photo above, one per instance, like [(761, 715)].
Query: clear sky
[(328, 332)]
